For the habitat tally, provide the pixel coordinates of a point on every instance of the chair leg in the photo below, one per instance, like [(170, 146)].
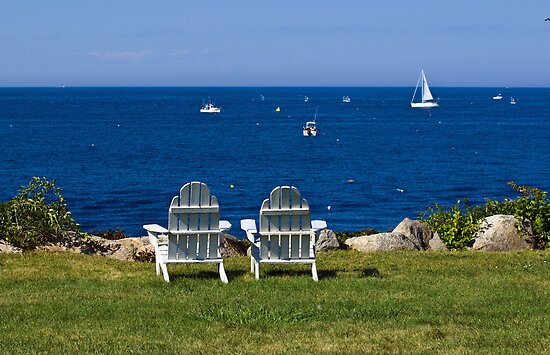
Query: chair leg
[(165, 272), (252, 264), (221, 270), (257, 270), (314, 272), (157, 267)]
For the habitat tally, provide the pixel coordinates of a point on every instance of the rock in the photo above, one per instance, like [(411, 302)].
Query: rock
[(327, 241), (417, 232), (7, 248), (126, 249), (381, 242), (437, 244), (232, 246), (500, 233)]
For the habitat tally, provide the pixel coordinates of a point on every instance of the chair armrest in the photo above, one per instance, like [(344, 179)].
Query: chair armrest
[(225, 226), (249, 226), (318, 225), (155, 228)]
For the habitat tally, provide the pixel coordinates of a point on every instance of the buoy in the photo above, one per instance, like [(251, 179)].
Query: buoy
[(329, 207), (350, 181), (278, 109), (231, 186)]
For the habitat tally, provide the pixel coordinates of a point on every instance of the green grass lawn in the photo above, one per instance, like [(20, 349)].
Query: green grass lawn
[(385, 302)]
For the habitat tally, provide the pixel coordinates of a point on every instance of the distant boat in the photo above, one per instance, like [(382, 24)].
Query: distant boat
[(498, 97), (310, 129), (512, 101), (306, 99), (427, 100), (262, 98), (346, 99), (209, 107), (278, 109)]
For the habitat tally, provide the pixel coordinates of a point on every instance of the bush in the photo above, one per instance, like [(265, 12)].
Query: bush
[(458, 224), (37, 216)]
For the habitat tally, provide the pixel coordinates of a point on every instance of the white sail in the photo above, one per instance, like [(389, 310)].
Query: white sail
[(427, 98), (426, 93)]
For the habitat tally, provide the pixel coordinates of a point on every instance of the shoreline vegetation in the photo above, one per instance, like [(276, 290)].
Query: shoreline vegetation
[(400, 301), (38, 217)]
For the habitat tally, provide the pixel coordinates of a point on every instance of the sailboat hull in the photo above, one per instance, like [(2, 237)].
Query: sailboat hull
[(424, 104)]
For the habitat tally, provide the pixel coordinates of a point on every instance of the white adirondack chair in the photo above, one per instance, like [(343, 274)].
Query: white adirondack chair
[(194, 233), (286, 234)]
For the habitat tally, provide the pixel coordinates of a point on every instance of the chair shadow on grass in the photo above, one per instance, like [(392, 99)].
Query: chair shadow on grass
[(371, 272), (206, 275)]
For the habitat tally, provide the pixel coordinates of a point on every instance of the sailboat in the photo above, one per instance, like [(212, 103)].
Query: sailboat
[(427, 98), (346, 99)]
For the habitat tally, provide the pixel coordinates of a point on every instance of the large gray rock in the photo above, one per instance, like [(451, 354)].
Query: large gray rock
[(437, 244), (417, 232), (500, 233), (381, 242), (327, 241)]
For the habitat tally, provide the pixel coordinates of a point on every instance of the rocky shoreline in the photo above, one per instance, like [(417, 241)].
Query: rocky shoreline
[(497, 233)]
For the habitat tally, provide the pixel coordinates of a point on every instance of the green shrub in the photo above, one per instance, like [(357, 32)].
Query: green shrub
[(37, 216), (458, 224)]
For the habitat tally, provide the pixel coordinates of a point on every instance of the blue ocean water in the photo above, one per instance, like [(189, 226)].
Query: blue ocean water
[(121, 154)]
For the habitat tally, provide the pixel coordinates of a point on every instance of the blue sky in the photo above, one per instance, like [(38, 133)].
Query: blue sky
[(283, 42)]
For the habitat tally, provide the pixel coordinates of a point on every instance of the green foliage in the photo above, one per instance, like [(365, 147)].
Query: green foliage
[(37, 216), (458, 224), (531, 206)]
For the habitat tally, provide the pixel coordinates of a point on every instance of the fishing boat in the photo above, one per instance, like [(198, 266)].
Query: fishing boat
[(209, 107), (498, 97), (346, 99), (512, 101), (310, 129), (427, 100)]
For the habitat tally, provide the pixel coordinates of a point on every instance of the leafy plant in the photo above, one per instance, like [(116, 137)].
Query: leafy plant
[(37, 216), (456, 225)]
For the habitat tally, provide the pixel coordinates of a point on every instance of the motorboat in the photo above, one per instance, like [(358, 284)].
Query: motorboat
[(498, 97), (209, 107), (310, 129)]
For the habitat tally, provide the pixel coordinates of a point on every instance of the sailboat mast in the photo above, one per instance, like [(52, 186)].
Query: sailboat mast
[(423, 81)]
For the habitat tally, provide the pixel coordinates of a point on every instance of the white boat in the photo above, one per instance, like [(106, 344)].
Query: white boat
[(310, 129), (262, 98), (427, 100), (210, 107), (306, 99), (512, 101), (346, 99), (498, 97)]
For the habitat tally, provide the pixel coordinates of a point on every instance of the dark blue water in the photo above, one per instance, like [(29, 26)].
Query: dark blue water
[(120, 154)]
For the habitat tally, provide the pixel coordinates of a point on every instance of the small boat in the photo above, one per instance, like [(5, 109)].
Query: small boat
[(346, 99), (262, 98), (310, 129), (427, 100), (306, 99), (210, 107), (512, 101), (498, 97)]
